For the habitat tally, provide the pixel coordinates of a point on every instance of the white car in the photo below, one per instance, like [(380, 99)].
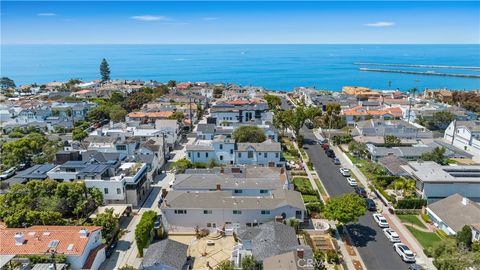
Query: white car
[(391, 235), (404, 252), (7, 174), (345, 172), (380, 220), (352, 182)]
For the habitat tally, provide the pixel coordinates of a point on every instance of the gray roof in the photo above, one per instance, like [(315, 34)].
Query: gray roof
[(406, 151), (206, 128), (35, 172), (210, 181), (266, 146), (454, 213), (473, 126), (166, 252), (224, 199), (100, 156), (270, 239), (393, 164), (430, 171), (199, 147)]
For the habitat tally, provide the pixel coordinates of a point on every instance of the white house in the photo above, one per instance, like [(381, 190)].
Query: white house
[(183, 210), (82, 245), (436, 182), (465, 135), (454, 212), (267, 153)]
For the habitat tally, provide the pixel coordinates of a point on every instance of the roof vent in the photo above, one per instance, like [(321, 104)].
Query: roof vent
[(464, 201), (83, 233), (19, 238)]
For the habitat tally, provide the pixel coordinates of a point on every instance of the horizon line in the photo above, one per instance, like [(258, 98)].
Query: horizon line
[(1, 44)]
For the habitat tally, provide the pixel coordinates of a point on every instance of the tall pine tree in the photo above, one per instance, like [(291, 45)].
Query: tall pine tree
[(105, 70)]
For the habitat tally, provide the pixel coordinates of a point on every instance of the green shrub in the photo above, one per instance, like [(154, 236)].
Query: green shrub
[(411, 203), (316, 207), (385, 180), (441, 233), (143, 230), (332, 256)]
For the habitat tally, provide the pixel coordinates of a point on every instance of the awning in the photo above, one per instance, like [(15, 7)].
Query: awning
[(118, 209)]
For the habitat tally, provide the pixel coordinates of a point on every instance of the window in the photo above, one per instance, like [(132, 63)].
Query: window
[(121, 147), (206, 154), (238, 191), (189, 154), (181, 211), (221, 146), (265, 155), (221, 157), (209, 225), (119, 191), (265, 212), (276, 155), (198, 155), (250, 154), (207, 212), (231, 151), (239, 155), (263, 191), (237, 212), (105, 190), (259, 154)]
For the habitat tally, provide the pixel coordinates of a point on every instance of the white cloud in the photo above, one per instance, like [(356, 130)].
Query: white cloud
[(46, 14), (149, 18), (209, 18), (380, 24)]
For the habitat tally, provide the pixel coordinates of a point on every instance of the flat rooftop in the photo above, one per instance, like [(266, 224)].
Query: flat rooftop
[(429, 171)]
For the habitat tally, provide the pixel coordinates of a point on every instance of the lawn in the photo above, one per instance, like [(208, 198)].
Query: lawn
[(300, 182), (310, 198), (288, 156), (320, 187), (411, 219), (426, 239)]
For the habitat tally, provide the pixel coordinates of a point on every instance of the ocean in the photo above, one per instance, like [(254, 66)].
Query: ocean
[(275, 67)]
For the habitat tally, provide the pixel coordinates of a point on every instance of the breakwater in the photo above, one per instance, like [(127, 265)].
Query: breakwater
[(415, 66), (428, 73)]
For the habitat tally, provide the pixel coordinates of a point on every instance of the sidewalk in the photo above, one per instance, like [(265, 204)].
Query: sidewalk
[(405, 235)]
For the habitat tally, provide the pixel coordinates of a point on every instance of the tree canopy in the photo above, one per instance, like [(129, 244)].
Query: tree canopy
[(252, 134), (273, 101), (7, 83), (295, 119), (48, 202), (104, 70), (392, 141), (108, 221), (448, 256), (346, 208), (18, 151), (437, 155), (332, 118)]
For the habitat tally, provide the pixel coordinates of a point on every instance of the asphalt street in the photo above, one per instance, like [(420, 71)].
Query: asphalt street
[(374, 248)]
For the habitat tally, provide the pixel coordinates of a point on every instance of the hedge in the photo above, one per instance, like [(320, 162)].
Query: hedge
[(411, 203), (143, 230), (385, 180)]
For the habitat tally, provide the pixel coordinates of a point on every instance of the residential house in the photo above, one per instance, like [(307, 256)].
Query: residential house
[(435, 182), (166, 254), (148, 116), (269, 240), (239, 111), (81, 245), (361, 93), (414, 152), (465, 135), (452, 213), (443, 95), (218, 209), (361, 113), (374, 130), (267, 153), (36, 172), (171, 129)]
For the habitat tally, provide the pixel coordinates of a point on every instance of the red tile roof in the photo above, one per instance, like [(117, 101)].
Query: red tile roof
[(37, 239), (91, 257), (150, 114), (359, 111)]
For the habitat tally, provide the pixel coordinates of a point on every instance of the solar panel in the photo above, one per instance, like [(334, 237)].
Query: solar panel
[(53, 244)]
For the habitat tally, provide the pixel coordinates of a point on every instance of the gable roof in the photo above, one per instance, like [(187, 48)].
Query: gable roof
[(454, 213), (266, 146), (166, 252), (270, 239)]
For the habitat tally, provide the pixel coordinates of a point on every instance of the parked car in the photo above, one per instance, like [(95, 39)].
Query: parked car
[(330, 153), (325, 146), (391, 235), (23, 166), (336, 161), (352, 182), (345, 172), (380, 220), (371, 206), (361, 191), (160, 201), (404, 252), (415, 266), (309, 124), (110, 249), (158, 222), (8, 173)]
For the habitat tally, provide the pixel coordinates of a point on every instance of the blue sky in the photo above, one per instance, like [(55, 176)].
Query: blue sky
[(93, 22)]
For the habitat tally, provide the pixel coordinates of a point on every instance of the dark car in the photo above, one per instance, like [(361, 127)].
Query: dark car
[(309, 125), (330, 153), (415, 266), (336, 161), (361, 191), (371, 206), (110, 249)]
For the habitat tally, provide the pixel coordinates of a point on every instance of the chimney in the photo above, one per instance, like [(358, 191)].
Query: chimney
[(282, 170), (222, 170), (218, 187), (164, 192), (279, 219), (464, 201), (19, 238), (83, 233), (300, 253)]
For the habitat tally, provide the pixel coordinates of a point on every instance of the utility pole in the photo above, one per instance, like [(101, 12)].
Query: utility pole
[(191, 120)]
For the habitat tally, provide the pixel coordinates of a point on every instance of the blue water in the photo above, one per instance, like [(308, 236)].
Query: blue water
[(277, 67)]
